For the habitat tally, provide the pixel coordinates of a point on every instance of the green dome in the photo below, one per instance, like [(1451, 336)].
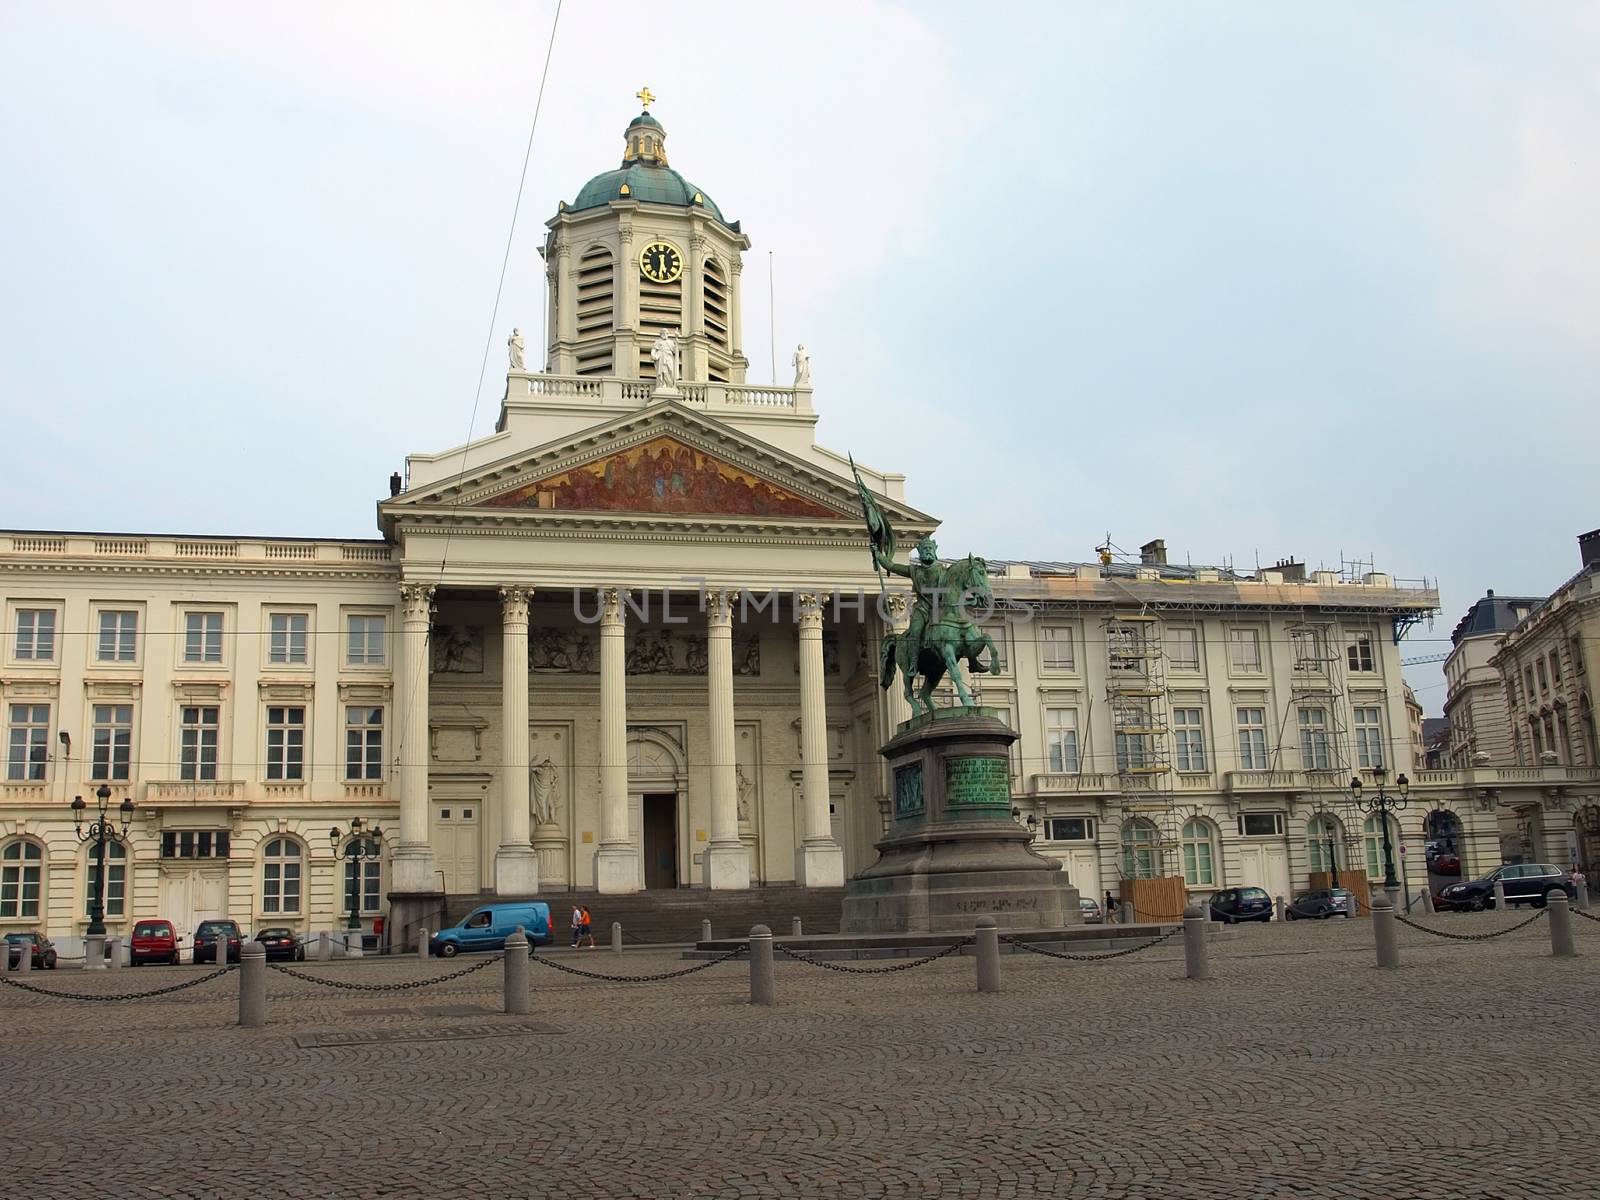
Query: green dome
[(645, 118), (646, 182)]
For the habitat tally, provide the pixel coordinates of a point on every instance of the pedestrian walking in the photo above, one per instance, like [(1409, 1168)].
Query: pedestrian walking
[(577, 925), (1111, 907), (586, 929)]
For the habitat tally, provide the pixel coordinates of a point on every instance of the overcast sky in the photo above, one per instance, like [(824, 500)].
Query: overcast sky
[(1261, 279)]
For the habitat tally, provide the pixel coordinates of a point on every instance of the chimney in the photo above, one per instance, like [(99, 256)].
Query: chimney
[(1293, 572), (1154, 553), (1589, 547), (394, 484)]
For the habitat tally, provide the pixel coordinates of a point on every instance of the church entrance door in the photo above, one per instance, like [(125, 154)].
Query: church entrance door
[(455, 846), (660, 840)]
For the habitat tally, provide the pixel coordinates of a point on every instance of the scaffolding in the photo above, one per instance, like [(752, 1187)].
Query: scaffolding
[(1136, 691), (1317, 707)]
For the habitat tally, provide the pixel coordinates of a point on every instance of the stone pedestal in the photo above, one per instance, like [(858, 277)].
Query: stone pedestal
[(550, 847), (953, 852)]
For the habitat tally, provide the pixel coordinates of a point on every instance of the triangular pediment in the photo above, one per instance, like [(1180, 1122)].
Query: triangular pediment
[(668, 463), (664, 474)]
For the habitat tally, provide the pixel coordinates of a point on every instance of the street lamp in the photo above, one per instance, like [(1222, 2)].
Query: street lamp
[(363, 846), (1383, 805), (100, 831)]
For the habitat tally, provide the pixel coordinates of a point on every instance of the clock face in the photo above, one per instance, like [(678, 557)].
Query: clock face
[(660, 262)]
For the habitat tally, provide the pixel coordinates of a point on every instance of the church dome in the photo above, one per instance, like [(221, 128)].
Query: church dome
[(644, 175)]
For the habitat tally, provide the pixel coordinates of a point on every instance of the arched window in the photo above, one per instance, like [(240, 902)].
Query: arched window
[(596, 311), (21, 880), (116, 881), (1141, 856), (1372, 835), (363, 879), (280, 876), (1324, 841), (1199, 853)]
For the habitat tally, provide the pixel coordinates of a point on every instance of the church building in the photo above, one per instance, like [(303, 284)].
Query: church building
[(629, 642)]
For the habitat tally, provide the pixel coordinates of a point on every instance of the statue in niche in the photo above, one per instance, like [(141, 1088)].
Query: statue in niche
[(745, 790), (542, 792), (514, 348), (747, 656), (695, 658), (457, 649), (862, 663)]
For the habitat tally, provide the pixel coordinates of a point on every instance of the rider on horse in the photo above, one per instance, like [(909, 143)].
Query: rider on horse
[(928, 580)]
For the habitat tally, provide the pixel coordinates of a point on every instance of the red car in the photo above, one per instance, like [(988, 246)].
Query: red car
[(153, 942), (1445, 864)]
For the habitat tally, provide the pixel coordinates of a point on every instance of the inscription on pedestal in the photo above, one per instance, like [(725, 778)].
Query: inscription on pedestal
[(908, 790), (977, 782)]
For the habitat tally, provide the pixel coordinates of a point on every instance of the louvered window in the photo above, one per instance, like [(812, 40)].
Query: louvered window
[(596, 310), (715, 296), (660, 307)]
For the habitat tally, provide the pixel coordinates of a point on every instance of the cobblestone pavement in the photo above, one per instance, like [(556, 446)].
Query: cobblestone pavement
[(1299, 1071)]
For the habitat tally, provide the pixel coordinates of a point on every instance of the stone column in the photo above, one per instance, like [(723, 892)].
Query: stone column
[(819, 862), (516, 867), (899, 708), (625, 319), (411, 869), (566, 310), (618, 865), (727, 859), (735, 320)]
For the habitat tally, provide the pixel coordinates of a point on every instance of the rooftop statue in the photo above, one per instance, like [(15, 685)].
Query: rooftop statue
[(514, 348), (664, 352), (941, 630)]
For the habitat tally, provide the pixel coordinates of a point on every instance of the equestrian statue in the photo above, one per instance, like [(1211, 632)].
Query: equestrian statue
[(941, 630)]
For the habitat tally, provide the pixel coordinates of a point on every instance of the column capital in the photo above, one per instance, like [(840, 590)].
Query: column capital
[(810, 610), (416, 601), (610, 606), (719, 606), (514, 599), (898, 604)]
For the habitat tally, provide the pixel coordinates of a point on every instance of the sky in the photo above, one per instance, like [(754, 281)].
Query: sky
[(1263, 280)]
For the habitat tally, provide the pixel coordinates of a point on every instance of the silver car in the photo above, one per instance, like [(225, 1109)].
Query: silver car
[(1091, 911)]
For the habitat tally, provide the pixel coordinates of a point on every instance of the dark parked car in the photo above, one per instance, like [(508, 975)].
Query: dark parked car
[(1525, 883), (205, 941), (1241, 904), (281, 942), (1321, 903), (43, 950)]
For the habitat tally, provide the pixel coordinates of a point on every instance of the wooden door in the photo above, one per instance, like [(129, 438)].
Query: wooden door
[(661, 841), (455, 845)]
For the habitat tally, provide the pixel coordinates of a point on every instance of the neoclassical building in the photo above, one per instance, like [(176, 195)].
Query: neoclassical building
[(629, 641)]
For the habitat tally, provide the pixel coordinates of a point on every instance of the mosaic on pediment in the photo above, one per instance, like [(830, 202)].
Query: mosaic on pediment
[(663, 475)]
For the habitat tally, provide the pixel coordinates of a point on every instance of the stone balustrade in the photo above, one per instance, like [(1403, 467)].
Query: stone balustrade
[(196, 550), (534, 387)]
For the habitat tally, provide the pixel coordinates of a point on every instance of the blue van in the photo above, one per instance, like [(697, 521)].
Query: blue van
[(488, 927)]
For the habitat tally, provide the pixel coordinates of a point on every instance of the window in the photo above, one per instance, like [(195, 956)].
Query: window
[(1261, 824), (1555, 668), (997, 634), (1252, 726), (363, 742), (1141, 855), (1199, 854), (1576, 649), (368, 871), (29, 743), (36, 635), (1133, 751), (116, 881), (1544, 681), (1056, 644), (1314, 739), (280, 876), (1069, 829), (119, 636), (1528, 678), (197, 742), (1305, 646), (202, 637), (1183, 648), (1323, 836), (194, 843), (286, 742), (1190, 739), (1369, 735), (1061, 739), (113, 742), (21, 869), (286, 639), (365, 644), (1244, 650), (1358, 652)]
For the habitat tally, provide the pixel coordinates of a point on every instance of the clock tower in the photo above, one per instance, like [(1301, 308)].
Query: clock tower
[(638, 252)]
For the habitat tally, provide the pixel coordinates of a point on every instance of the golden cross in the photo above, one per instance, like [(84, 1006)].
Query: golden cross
[(644, 96)]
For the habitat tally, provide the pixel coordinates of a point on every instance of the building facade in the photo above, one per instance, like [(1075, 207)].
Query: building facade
[(1475, 696), (629, 641)]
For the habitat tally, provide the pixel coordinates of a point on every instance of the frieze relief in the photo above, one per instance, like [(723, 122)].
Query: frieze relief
[(651, 652), (457, 649)]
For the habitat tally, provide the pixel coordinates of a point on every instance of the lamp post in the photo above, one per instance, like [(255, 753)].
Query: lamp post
[(1383, 806), (100, 831), (363, 846)]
